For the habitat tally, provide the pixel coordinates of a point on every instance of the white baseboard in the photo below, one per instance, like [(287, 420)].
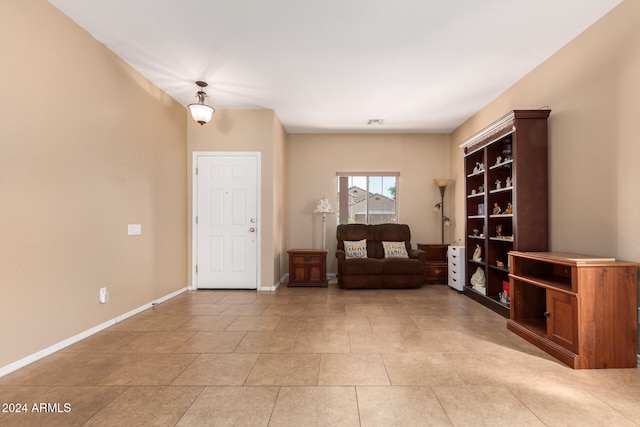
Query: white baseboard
[(82, 335), (275, 286)]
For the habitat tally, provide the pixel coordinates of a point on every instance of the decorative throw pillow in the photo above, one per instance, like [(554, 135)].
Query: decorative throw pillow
[(356, 249), (395, 250)]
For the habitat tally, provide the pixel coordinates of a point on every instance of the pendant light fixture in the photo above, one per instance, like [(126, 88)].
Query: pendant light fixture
[(201, 112)]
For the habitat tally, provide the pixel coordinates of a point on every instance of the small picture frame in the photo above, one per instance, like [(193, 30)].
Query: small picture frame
[(481, 209)]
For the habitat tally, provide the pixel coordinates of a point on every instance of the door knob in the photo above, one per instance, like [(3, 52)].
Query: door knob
[(547, 314), (252, 229)]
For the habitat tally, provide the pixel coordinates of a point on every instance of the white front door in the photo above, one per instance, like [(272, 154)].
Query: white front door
[(226, 223)]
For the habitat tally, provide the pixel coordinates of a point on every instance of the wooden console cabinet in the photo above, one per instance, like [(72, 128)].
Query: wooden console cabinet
[(307, 267), (436, 265), (581, 310)]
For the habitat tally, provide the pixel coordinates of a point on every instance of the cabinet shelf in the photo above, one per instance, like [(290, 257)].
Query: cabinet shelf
[(470, 196), (549, 283), (503, 304), (502, 239), (537, 326), (501, 216), (506, 163), (503, 269), (480, 173), (500, 190)]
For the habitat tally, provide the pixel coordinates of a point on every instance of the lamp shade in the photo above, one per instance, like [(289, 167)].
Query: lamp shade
[(442, 182), (201, 113), (323, 206)]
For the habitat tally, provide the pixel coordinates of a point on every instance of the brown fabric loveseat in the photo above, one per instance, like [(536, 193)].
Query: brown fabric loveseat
[(376, 271)]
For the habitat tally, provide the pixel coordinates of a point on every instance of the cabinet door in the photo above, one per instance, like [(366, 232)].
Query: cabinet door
[(299, 273), (562, 319), (314, 273)]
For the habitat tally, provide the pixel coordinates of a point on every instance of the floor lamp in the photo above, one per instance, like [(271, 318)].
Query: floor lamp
[(442, 185), (324, 208)]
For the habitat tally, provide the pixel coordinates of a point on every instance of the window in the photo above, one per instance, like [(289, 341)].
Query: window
[(367, 198)]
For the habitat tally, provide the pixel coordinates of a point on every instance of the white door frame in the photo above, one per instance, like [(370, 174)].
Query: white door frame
[(194, 210)]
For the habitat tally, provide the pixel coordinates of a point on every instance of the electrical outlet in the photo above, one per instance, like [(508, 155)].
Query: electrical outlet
[(104, 295)]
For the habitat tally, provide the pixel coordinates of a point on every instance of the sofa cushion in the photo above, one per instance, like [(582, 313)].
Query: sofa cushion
[(401, 266), (391, 233), (395, 250), (357, 249), (362, 266), (355, 232)]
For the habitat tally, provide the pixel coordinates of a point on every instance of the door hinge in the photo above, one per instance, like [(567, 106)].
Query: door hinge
[(196, 268), (196, 219), (196, 170)]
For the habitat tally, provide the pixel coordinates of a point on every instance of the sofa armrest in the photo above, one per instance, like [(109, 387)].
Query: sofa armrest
[(418, 254), (341, 255)]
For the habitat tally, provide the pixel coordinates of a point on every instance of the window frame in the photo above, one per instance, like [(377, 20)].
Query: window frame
[(343, 196)]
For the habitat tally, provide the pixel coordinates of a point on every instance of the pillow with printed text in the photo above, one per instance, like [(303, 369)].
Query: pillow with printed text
[(395, 250), (357, 249)]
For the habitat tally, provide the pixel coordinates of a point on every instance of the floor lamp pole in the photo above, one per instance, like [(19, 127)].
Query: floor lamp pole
[(442, 190), (442, 185), (324, 230)]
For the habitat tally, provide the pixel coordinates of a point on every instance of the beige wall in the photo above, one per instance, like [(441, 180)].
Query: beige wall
[(257, 131), (280, 260), (104, 148), (592, 87), (312, 163)]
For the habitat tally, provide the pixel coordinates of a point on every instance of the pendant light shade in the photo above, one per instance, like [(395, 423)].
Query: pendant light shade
[(200, 111)]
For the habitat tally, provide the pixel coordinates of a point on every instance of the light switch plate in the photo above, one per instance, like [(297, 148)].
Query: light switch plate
[(104, 295), (134, 229)]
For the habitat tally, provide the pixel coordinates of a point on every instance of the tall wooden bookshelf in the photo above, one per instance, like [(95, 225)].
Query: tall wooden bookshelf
[(506, 184)]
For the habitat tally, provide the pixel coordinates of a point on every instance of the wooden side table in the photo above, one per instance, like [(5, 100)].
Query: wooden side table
[(308, 267), (436, 266)]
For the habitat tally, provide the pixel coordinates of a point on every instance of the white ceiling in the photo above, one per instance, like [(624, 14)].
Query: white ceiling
[(331, 65)]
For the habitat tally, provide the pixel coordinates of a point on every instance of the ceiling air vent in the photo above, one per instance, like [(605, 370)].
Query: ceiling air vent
[(378, 122)]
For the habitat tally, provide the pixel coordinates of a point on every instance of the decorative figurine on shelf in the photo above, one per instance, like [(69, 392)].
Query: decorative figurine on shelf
[(499, 230), (498, 184), (478, 281), (479, 167), (475, 231), (506, 149), (473, 192), (509, 208), (477, 254), (504, 298), (500, 264), (498, 160), (508, 182), (481, 189), (496, 209)]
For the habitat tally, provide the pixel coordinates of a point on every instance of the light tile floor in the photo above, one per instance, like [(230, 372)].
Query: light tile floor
[(316, 356)]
